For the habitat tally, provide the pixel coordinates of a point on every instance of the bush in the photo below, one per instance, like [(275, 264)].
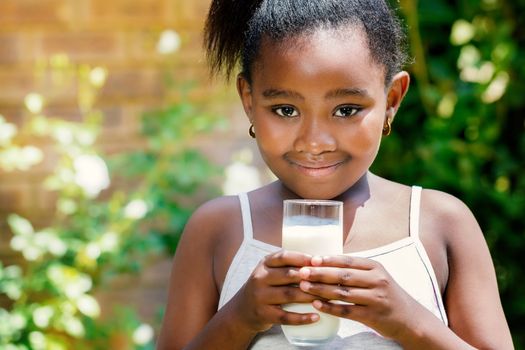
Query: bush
[(461, 127), (96, 233)]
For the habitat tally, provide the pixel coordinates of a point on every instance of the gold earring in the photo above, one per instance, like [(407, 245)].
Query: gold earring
[(387, 127), (251, 131)]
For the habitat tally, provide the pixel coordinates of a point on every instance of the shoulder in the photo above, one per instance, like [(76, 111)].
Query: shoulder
[(193, 276), (449, 217), (213, 217), (217, 208), (471, 285), (450, 234), (211, 237)]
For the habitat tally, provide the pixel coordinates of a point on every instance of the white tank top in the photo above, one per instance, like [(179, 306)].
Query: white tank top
[(406, 260)]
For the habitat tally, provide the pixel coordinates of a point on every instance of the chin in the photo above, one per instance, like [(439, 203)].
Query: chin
[(316, 192)]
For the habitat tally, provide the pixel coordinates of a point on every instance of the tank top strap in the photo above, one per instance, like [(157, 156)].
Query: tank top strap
[(246, 216), (415, 204)]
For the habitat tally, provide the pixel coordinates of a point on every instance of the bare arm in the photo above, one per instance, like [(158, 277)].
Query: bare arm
[(472, 301), (471, 298), (192, 320)]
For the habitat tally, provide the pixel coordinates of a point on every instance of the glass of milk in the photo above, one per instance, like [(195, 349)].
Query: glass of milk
[(314, 227)]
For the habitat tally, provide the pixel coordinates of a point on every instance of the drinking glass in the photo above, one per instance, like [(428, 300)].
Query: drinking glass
[(314, 227)]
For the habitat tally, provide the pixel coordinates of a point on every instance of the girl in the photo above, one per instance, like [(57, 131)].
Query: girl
[(320, 83)]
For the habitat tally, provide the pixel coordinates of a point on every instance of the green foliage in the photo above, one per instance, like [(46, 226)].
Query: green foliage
[(461, 127), (176, 171), (96, 233)]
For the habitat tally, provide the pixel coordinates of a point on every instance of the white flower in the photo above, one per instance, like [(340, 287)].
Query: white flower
[(13, 291), (67, 206), (91, 174), (31, 155), (447, 105), (86, 137), (469, 56), (88, 306), (37, 340), (240, 177), (169, 42), (17, 321), (56, 246), (73, 326), (20, 226), (21, 158), (42, 315), (63, 135), (136, 209), (93, 250), (98, 76), (7, 131), (462, 32), (496, 88), (75, 287), (34, 102), (69, 280), (108, 242), (13, 271), (143, 334)]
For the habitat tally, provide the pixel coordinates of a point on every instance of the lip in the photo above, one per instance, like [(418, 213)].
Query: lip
[(317, 169)]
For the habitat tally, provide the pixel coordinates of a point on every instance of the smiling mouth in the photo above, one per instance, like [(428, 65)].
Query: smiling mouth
[(317, 170)]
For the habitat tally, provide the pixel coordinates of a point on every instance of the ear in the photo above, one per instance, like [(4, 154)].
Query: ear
[(245, 93), (396, 92)]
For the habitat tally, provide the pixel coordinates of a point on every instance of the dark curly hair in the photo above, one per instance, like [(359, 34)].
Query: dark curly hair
[(234, 29)]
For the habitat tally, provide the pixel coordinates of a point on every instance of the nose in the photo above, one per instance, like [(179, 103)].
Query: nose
[(314, 137)]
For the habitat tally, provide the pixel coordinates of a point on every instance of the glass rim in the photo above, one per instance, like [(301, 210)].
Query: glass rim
[(312, 202)]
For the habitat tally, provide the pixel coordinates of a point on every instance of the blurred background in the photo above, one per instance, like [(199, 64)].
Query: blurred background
[(112, 132)]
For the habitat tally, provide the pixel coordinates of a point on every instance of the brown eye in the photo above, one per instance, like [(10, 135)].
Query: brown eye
[(346, 111), (286, 111)]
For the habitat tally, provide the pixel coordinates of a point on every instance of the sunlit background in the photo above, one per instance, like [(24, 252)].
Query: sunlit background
[(111, 132)]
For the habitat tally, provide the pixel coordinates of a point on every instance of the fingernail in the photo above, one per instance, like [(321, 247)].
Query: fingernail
[(304, 272), (315, 317), (317, 260), (317, 304), (305, 285)]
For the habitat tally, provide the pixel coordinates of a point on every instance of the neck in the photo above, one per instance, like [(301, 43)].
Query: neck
[(353, 197), (359, 193)]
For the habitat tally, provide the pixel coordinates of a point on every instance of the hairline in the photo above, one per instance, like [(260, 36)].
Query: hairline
[(353, 25)]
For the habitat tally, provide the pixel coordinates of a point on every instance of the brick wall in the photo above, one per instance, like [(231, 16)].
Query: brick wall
[(120, 35)]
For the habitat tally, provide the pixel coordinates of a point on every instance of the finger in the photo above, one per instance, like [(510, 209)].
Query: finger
[(336, 275), (287, 258), (282, 276), (344, 261), (285, 295), (349, 311), (346, 294), (281, 316)]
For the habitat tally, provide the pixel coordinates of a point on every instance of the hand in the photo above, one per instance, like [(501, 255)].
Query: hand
[(274, 282), (369, 293)]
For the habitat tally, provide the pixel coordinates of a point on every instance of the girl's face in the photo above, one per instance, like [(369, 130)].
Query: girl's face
[(318, 104)]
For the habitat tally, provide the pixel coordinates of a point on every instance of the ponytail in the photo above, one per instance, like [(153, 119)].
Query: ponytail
[(224, 33)]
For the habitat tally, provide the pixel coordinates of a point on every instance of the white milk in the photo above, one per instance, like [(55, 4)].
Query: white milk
[(314, 240), (323, 237)]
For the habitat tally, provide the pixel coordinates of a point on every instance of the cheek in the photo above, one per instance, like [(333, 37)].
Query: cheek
[(271, 141), (365, 138), (272, 134)]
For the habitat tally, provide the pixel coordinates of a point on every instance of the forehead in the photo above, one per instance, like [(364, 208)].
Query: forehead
[(340, 53)]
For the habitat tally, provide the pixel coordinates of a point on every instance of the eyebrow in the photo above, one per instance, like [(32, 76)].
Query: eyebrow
[(343, 92), (276, 93), (347, 92)]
